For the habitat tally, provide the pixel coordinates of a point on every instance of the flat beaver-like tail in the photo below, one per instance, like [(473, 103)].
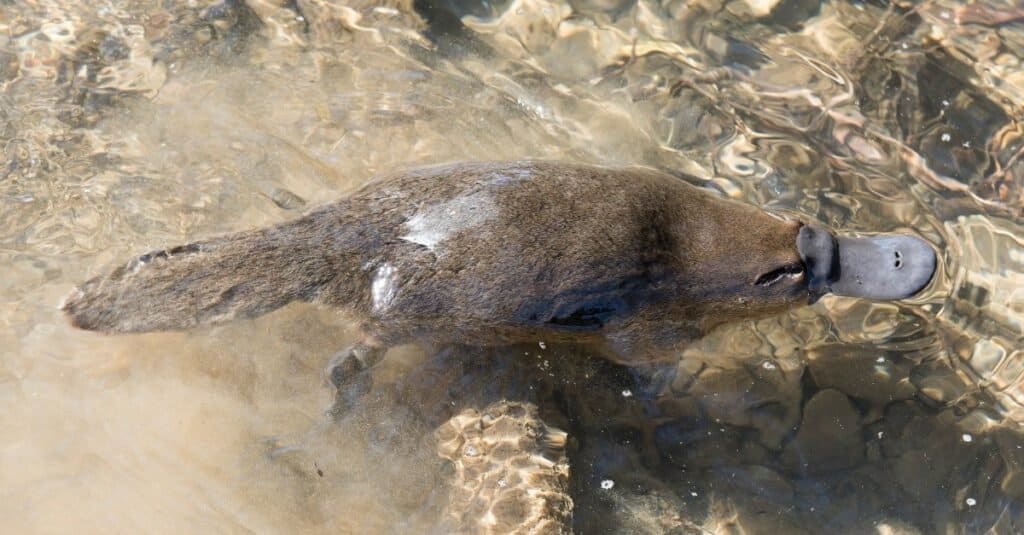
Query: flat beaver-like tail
[(241, 275)]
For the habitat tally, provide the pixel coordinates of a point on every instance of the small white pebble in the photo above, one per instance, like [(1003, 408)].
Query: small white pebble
[(966, 144), (607, 484), (694, 494), (470, 451), (542, 345), (945, 103), (881, 434), (768, 365), (971, 502), (967, 437), (502, 483), (905, 46), (880, 360), (945, 15), (627, 393), (300, 18), (945, 138)]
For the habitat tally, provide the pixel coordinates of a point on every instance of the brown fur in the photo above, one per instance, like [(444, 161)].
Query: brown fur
[(483, 253)]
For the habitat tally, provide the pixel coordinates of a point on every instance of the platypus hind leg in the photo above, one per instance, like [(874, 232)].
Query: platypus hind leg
[(349, 372)]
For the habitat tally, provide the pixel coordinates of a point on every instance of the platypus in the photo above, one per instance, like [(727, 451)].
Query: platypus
[(632, 260)]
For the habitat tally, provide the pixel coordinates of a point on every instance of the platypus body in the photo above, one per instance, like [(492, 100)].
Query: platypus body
[(487, 253)]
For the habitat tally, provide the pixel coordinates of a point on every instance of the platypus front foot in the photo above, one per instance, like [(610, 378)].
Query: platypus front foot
[(348, 371)]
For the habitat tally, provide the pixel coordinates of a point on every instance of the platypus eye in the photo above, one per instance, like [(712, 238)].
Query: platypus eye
[(775, 275)]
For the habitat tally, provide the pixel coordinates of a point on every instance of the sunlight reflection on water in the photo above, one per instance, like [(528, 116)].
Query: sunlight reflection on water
[(127, 126)]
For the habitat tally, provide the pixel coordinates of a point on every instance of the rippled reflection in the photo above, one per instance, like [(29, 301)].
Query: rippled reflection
[(131, 125)]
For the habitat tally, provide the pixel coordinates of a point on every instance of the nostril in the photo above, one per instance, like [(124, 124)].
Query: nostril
[(899, 260), (775, 275)]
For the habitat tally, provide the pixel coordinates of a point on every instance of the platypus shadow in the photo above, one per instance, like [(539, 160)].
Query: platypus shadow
[(558, 436)]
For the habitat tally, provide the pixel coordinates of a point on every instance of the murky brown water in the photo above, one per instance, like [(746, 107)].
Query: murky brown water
[(127, 126)]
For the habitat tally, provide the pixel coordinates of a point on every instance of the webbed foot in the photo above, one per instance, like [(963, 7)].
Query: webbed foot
[(349, 372)]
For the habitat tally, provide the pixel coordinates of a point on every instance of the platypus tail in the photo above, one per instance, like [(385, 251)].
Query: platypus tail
[(241, 275)]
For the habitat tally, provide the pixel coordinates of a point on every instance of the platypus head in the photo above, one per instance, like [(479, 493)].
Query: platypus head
[(768, 263), (880, 267)]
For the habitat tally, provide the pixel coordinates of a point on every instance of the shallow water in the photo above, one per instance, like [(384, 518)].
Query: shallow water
[(128, 126)]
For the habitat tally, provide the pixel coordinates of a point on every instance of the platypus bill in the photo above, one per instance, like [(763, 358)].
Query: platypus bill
[(489, 253)]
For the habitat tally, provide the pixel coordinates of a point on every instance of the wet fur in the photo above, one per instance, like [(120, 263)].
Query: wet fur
[(631, 259)]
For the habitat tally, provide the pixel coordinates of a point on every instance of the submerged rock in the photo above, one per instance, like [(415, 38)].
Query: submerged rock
[(863, 372), (829, 438), (1011, 448)]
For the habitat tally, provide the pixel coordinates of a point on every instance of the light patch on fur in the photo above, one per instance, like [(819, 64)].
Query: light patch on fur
[(431, 226), (383, 287), (422, 231)]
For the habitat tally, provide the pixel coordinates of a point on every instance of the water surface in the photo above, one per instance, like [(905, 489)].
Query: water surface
[(128, 126)]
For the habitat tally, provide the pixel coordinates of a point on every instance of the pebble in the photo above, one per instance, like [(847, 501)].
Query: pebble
[(861, 373), (285, 199), (938, 382), (751, 397), (829, 438), (758, 480), (1009, 442)]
